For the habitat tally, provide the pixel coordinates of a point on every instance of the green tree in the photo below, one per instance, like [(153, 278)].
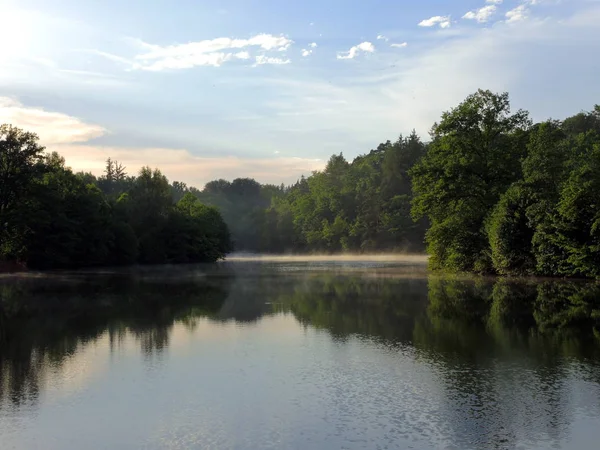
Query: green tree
[(68, 222), (199, 231), (578, 219), (20, 158), (472, 159), (510, 233)]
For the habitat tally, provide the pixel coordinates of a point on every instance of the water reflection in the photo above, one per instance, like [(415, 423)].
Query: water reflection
[(492, 363), (504, 348), (49, 319)]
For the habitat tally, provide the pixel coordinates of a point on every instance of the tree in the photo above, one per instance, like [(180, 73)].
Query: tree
[(20, 158), (67, 221), (53, 218), (577, 222), (178, 190), (115, 180), (20, 155), (199, 232), (510, 234), (472, 159)]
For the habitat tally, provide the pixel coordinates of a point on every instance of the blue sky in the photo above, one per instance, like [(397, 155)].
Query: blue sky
[(271, 89)]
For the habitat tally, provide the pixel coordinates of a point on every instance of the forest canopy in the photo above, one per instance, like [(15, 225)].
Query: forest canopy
[(54, 218), (490, 192), (506, 196)]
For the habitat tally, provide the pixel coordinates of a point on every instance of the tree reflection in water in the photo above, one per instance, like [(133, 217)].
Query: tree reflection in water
[(503, 351), (47, 320)]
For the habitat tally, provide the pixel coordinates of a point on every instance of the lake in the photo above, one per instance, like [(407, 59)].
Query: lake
[(283, 353)]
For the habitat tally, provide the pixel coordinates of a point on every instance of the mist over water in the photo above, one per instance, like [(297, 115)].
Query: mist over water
[(343, 257)]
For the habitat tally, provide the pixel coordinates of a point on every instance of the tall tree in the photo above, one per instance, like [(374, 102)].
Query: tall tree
[(472, 159)]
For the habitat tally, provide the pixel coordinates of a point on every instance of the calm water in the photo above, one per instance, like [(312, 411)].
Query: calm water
[(299, 355)]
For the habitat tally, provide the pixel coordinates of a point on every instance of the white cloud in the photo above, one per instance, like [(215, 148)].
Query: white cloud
[(320, 111), (481, 15), (364, 108), (442, 21), (306, 52), (517, 14), (313, 45), (363, 47), (401, 45), (51, 127), (263, 59), (203, 59), (242, 55), (495, 2), (381, 37), (212, 52)]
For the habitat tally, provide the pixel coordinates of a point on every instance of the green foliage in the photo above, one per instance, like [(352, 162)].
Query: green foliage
[(20, 163), (57, 219), (357, 206), (202, 229), (509, 232), (472, 159), (577, 222), (506, 197), (491, 193)]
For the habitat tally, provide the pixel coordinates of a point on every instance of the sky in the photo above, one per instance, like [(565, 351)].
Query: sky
[(271, 89)]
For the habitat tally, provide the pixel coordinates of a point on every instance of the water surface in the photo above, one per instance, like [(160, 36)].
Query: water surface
[(332, 354)]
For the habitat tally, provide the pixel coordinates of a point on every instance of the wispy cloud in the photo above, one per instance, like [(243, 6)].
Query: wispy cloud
[(401, 45), (70, 136), (481, 15), (363, 47), (114, 58), (263, 59), (361, 108), (306, 52), (441, 21), (313, 45), (52, 127), (211, 52), (381, 37), (517, 14)]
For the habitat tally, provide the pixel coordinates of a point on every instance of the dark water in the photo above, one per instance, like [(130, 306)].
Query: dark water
[(299, 355)]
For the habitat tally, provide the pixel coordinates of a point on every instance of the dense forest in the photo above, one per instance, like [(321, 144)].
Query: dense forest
[(506, 196), (55, 218), (51, 217), (490, 192)]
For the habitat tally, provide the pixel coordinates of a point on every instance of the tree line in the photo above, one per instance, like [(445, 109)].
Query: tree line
[(52, 218), (357, 206), (490, 192)]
